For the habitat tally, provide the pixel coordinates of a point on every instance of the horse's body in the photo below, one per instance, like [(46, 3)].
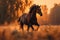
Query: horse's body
[(30, 18)]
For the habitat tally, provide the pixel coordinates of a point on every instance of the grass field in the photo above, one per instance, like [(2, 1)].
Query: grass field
[(45, 32)]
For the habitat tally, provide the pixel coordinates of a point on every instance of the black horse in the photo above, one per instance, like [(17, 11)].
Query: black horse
[(30, 18)]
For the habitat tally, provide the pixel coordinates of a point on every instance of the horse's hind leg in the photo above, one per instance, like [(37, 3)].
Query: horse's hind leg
[(21, 25), (32, 27), (29, 27)]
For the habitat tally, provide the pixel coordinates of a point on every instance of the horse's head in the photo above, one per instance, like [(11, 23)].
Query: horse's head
[(38, 10)]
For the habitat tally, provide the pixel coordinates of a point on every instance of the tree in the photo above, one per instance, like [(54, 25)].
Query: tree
[(8, 9), (55, 15)]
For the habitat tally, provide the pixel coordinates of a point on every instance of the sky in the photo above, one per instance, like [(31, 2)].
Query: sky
[(49, 3)]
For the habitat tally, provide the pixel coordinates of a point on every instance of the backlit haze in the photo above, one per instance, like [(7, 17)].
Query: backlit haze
[(50, 10), (48, 3), (46, 6)]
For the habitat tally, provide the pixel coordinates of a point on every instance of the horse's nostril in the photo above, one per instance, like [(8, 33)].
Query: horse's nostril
[(41, 14)]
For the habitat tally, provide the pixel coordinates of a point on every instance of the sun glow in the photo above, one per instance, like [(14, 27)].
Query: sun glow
[(48, 3)]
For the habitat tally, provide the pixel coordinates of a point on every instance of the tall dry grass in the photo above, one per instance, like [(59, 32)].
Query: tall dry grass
[(45, 32)]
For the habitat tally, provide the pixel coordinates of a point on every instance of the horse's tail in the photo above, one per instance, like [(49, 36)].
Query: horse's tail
[(19, 19)]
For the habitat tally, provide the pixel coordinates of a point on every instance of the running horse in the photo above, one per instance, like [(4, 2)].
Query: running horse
[(30, 18)]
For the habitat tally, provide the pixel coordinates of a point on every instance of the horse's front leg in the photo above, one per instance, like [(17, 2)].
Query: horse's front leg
[(37, 25), (35, 22)]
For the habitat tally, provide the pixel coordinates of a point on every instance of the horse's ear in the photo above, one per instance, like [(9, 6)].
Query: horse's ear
[(40, 5)]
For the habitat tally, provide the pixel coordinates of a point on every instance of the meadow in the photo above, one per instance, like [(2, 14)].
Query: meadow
[(45, 32)]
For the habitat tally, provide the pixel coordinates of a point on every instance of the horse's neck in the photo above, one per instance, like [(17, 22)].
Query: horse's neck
[(33, 15)]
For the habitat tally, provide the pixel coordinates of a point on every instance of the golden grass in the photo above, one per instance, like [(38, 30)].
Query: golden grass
[(45, 32)]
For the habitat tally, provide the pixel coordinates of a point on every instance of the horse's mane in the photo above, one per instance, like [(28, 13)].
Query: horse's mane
[(33, 7)]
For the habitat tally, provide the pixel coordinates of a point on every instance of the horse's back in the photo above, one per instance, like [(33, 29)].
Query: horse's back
[(23, 18)]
